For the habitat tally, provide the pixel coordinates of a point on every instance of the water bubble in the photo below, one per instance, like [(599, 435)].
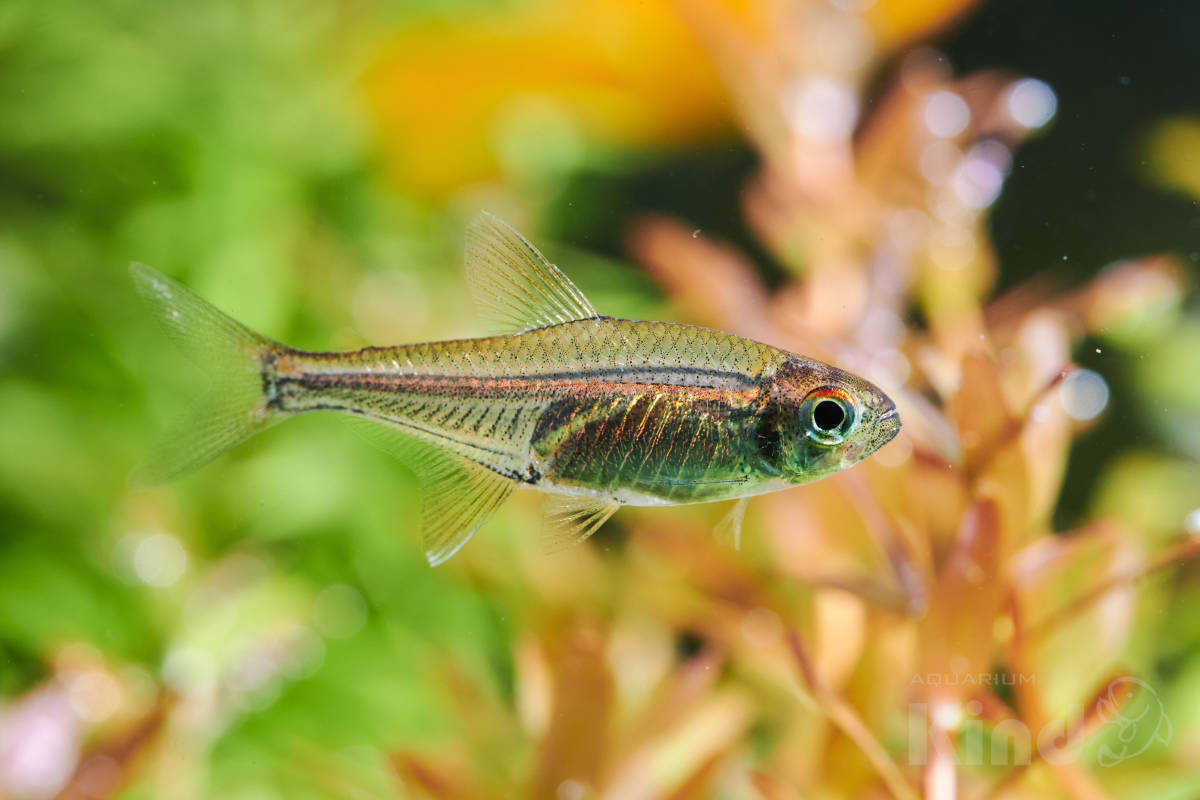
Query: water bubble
[(1031, 103), (159, 560), (1084, 394), (822, 109), (946, 114)]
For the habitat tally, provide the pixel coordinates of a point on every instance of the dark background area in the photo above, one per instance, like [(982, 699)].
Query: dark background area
[(1079, 197)]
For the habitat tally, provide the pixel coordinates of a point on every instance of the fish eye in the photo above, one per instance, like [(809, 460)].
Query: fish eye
[(827, 415)]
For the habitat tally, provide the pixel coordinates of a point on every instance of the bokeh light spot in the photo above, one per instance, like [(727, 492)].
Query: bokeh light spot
[(95, 695), (822, 109), (980, 176), (761, 627), (159, 560), (946, 114), (571, 789), (1031, 103), (189, 670), (1084, 394)]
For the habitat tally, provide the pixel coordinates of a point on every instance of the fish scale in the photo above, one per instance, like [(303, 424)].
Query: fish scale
[(595, 411), (554, 376)]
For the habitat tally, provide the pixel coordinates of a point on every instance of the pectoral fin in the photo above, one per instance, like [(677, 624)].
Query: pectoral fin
[(729, 529), (569, 519), (515, 287)]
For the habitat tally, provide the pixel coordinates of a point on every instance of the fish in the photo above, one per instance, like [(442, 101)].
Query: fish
[(594, 411)]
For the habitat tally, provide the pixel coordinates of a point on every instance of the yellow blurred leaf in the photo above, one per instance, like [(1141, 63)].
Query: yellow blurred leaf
[(449, 104), (1175, 154)]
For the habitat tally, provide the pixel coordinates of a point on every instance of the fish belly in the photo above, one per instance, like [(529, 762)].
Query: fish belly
[(648, 445)]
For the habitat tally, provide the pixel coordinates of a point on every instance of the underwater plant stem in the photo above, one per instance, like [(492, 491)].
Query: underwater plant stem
[(1178, 553), (848, 722), (1031, 710), (897, 548)]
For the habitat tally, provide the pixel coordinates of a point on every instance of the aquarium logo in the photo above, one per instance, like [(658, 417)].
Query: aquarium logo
[(972, 679), (1127, 719), (1132, 721)]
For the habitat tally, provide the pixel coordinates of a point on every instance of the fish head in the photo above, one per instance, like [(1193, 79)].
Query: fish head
[(825, 419)]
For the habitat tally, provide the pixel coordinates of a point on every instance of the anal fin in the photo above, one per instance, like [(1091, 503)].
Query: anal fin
[(569, 519), (457, 495), (729, 529)]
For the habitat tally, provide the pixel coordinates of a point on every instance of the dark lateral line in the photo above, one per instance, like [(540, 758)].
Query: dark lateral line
[(612, 374), (599, 374)]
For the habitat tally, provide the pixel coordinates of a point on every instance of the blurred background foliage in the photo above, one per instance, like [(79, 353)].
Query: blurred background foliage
[(812, 173)]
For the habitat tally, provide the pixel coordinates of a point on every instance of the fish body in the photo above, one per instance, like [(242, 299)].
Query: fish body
[(644, 413), (595, 411)]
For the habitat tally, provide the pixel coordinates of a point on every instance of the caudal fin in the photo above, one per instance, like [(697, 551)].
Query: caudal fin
[(233, 407)]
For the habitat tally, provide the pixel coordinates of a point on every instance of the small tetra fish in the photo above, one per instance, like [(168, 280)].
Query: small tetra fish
[(597, 412)]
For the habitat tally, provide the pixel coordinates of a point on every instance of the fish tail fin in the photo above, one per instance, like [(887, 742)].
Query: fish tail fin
[(235, 405)]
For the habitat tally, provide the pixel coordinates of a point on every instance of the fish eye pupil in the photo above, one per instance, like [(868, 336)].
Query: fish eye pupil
[(828, 415)]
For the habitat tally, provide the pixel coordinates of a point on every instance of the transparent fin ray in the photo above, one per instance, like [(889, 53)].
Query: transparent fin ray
[(222, 418), (457, 495), (568, 520), (515, 288), (729, 529), (233, 408)]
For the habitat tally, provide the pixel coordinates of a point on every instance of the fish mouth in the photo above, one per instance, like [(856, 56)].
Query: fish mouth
[(889, 425)]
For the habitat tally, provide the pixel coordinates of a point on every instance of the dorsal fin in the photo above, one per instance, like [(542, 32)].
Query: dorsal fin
[(515, 287)]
